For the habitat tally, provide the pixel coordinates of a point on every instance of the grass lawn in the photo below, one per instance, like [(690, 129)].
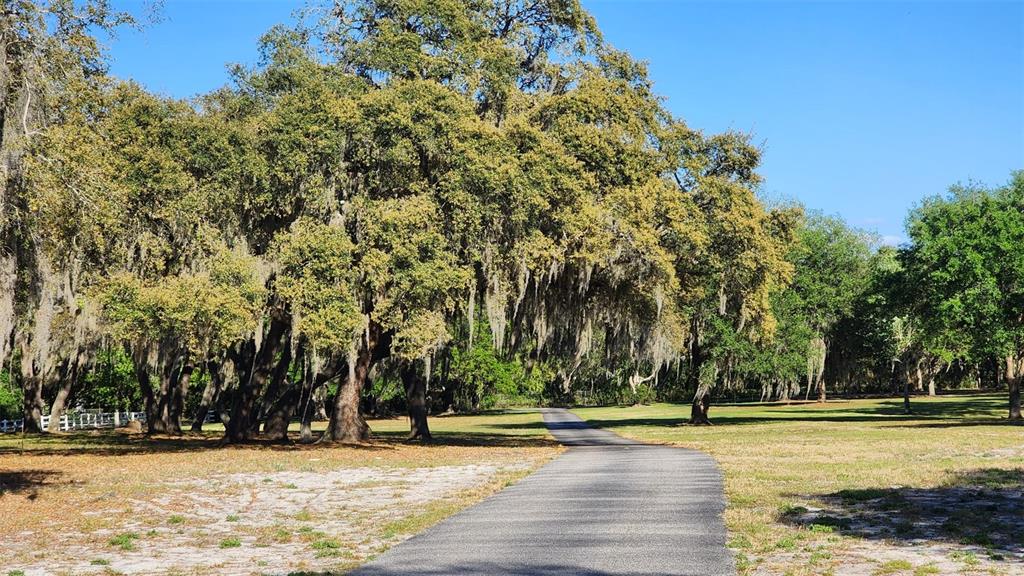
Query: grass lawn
[(856, 487), (106, 502)]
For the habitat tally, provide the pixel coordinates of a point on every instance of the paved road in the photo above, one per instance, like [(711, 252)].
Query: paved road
[(607, 506)]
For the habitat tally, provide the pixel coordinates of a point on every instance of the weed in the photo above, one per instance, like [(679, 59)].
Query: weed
[(124, 541), (325, 547), (968, 558)]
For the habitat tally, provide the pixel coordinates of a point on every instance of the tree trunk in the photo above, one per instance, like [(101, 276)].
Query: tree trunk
[(906, 393), (1013, 375), (210, 394), (932, 369), (161, 403), (416, 399), (155, 423), (823, 351), (179, 390), (281, 404), (244, 424), (32, 387), (347, 424), (69, 376), (320, 405), (33, 404), (309, 383), (699, 379), (700, 406), (275, 427)]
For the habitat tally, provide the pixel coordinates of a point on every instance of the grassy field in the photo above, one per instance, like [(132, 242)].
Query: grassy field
[(856, 487), (114, 503), (847, 487)]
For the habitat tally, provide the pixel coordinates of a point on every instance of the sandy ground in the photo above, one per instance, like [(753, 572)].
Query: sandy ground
[(256, 523), (949, 530)]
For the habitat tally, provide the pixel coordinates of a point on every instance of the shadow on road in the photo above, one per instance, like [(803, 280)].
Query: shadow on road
[(478, 569), (488, 568)]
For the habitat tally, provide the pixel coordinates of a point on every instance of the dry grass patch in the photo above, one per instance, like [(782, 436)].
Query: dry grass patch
[(138, 505), (856, 487)]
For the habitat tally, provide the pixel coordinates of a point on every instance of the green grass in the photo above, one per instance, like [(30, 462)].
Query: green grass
[(432, 514), (230, 542), (849, 455), (124, 541), (326, 547)]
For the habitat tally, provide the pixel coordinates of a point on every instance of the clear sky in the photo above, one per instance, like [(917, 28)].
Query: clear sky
[(861, 108)]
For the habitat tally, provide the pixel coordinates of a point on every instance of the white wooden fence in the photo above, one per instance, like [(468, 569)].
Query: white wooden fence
[(79, 421)]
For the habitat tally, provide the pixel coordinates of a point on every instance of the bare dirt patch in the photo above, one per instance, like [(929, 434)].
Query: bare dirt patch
[(111, 503), (972, 524), (242, 523)]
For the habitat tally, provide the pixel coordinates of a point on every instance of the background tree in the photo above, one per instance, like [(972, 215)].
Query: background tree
[(967, 267), (831, 261)]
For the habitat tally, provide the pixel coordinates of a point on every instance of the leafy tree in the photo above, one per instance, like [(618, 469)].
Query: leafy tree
[(831, 261), (743, 264), (50, 73), (968, 271), (486, 186)]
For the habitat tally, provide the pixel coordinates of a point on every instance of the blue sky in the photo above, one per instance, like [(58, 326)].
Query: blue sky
[(861, 108)]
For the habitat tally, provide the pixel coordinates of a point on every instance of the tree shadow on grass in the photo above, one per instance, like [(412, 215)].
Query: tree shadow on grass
[(104, 443), (28, 481), (982, 508), (113, 443), (471, 439), (964, 411)]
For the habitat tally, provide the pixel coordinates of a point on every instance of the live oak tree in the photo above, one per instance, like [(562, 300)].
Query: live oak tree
[(175, 325), (50, 71), (744, 265), (453, 159), (422, 191)]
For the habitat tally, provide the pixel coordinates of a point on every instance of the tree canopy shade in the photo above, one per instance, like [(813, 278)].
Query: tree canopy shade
[(481, 197)]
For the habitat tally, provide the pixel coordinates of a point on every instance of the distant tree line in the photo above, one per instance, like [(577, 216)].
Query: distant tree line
[(444, 205)]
